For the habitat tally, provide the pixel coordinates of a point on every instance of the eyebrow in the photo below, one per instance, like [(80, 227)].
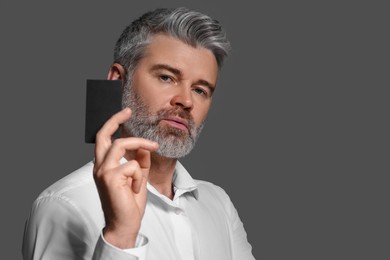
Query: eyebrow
[(206, 84), (179, 74), (171, 69)]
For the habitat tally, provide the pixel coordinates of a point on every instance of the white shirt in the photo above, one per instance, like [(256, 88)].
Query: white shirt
[(66, 222)]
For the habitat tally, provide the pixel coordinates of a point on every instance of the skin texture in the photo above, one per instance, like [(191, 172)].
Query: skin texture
[(171, 74)]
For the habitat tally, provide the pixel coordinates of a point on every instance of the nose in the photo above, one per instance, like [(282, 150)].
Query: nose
[(183, 98)]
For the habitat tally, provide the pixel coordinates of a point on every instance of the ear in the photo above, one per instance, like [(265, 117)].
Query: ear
[(116, 72)]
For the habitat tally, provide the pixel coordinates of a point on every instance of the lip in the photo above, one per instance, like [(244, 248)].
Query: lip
[(177, 122)]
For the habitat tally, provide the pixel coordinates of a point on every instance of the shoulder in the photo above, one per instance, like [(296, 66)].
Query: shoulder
[(211, 191), (79, 181), (210, 187), (216, 199), (65, 216), (75, 193)]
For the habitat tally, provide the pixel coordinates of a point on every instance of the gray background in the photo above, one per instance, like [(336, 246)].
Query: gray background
[(297, 135)]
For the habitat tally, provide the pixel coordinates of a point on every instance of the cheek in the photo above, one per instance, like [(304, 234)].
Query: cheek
[(153, 98), (201, 113)]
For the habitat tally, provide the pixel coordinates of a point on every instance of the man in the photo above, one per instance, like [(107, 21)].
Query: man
[(135, 200)]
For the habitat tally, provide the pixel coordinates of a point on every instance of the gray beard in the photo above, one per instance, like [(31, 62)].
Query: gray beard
[(173, 142)]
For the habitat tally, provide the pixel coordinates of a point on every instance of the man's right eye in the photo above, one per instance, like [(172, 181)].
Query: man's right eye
[(165, 78)]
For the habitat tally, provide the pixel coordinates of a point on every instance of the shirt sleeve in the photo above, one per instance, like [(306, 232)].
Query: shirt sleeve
[(241, 248), (55, 229), (104, 250)]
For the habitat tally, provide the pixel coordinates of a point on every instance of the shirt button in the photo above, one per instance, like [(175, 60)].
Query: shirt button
[(177, 211)]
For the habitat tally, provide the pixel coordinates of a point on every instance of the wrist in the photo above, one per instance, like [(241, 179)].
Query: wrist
[(120, 238)]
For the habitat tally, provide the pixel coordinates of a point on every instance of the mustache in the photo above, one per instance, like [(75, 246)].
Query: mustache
[(163, 113), (179, 112)]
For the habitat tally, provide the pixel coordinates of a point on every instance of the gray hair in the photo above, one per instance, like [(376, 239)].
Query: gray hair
[(191, 27)]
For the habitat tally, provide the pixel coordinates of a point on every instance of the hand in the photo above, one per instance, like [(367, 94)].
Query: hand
[(122, 187)]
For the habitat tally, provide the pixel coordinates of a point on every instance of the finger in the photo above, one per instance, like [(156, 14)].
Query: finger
[(120, 146), (132, 171), (104, 135), (129, 174), (141, 197), (143, 158)]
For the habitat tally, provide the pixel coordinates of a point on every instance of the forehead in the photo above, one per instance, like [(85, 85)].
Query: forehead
[(191, 61)]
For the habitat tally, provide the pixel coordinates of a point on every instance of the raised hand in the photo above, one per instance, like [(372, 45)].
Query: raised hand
[(122, 187)]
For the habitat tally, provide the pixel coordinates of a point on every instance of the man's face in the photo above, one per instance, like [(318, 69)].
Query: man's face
[(170, 94)]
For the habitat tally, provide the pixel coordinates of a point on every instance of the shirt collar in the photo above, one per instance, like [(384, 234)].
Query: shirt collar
[(183, 182)]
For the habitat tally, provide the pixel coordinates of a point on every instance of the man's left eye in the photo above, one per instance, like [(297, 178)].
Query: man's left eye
[(200, 91)]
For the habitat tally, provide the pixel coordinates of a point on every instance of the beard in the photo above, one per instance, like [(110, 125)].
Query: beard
[(173, 142)]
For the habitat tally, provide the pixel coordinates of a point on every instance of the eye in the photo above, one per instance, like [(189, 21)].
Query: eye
[(165, 78), (200, 91)]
